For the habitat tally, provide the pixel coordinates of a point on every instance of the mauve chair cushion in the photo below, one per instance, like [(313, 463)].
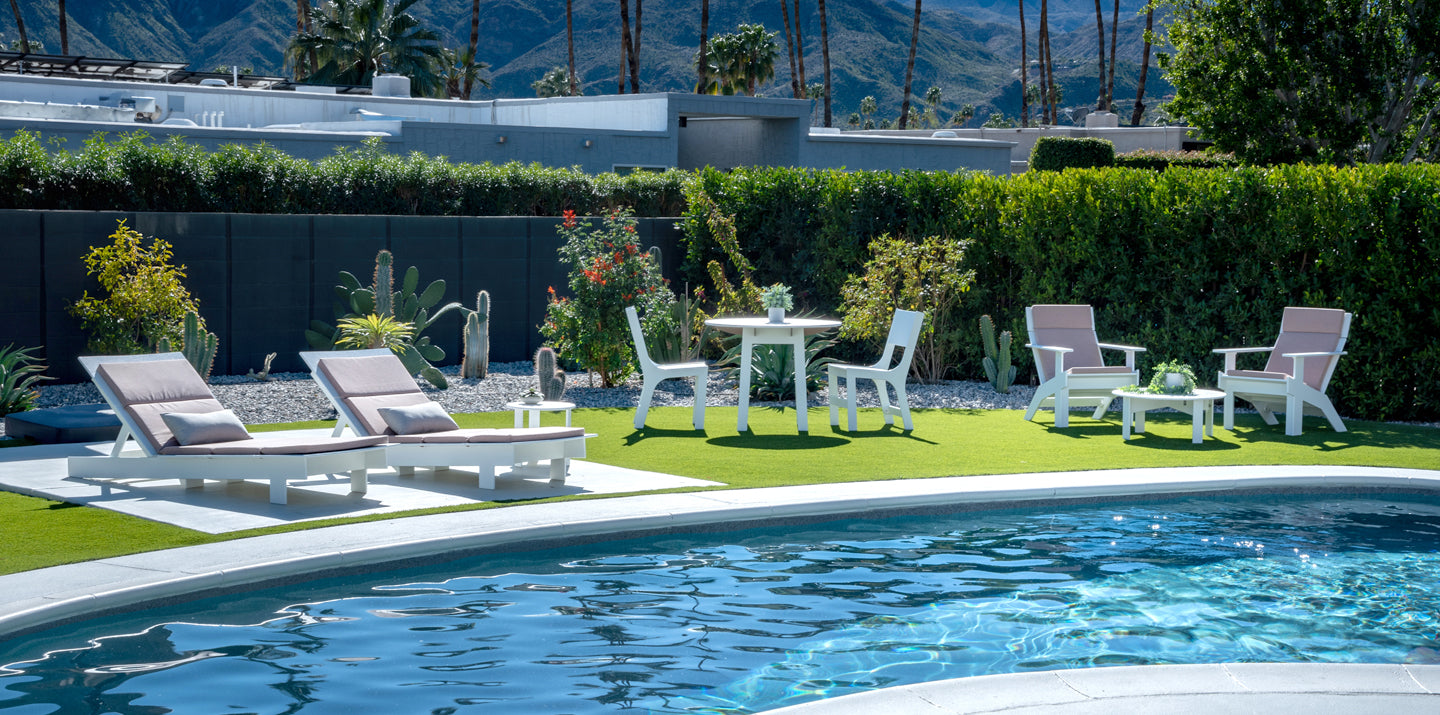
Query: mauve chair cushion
[(277, 445), (171, 380), (204, 427), (367, 409), (1260, 374), (148, 418), (370, 375), (1066, 326), (417, 419), (1307, 330), (491, 436)]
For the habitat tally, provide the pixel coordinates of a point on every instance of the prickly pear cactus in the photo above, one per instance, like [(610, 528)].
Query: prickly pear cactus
[(476, 362), (551, 377), (997, 357)]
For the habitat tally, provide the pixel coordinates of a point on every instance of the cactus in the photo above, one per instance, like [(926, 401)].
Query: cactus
[(264, 374), (476, 362), (384, 283), (997, 358), (551, 377), (197, 345)]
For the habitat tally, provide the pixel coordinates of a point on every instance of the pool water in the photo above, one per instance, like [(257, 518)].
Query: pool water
[(745, 621)]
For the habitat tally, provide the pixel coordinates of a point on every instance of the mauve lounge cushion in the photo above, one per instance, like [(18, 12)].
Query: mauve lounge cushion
[(417, 419), (277, 445), (492, 436), (204, 427), (367, 409), (150, 388), (371, 375)]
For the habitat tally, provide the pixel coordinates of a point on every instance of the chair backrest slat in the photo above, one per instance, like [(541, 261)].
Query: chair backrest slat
[(1310, 330), (1066, 326), (638, 335), (904, 333)]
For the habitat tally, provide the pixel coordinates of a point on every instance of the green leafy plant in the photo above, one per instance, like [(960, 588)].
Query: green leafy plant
[(997, 356), (1159, 385), (196, 344), (922, 276), (145, 299), (608, 272), (777, 296), (686, 342), (372, 331), (1057, 153), (19, 374)]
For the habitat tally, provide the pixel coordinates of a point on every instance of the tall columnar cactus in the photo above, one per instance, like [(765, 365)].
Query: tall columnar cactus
[(384, 284), (476, 363), (997, 358), (551, 377), (197, 345)]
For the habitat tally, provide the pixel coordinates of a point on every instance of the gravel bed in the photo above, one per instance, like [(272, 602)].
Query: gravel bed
[(292, 397)]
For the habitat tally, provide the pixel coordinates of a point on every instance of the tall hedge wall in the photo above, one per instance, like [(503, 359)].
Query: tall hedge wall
[(130, 173), (1180, 262)]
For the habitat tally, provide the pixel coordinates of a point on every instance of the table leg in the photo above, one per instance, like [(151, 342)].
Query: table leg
[(534, 418), (1138, 417), (1125, 416), (747, 343), (802, 408), (1197, 422), (1209, 418), (519, 415), (567, 418)]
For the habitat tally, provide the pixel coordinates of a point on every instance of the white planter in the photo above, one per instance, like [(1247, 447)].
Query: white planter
[(1174, 379), (777, 315)]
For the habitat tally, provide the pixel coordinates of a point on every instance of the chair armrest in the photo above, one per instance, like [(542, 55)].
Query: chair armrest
[(1051, 348), (1130, 351), (1230, 354), (1310, 355), (1059, 356)]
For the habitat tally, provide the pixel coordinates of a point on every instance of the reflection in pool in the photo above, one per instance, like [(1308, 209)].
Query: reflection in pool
[(745, 621)]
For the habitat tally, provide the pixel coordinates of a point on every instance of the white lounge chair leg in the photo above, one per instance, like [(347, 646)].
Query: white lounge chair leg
[(358, 484), (487, 476), (1041, 393), (902, 397), (1294, 415), (832, 395), (1101, 410), (850, 402), (1229, 411), (194, 483), (886, 412), (559, 467), (405, 471), (1332, 416), (277, 490), (1062, 409), (699, 419), (643, 408)]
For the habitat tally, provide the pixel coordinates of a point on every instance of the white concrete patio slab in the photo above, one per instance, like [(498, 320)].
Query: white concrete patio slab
[(221, 507)]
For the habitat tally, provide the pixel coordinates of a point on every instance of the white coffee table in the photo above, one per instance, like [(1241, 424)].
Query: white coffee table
[(535, 409), (1200, 405), (760, 331)]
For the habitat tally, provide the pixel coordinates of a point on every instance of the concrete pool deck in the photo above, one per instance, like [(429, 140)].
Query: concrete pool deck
[(34, 600)]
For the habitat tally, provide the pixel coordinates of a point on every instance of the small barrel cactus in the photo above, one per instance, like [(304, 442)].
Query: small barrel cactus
[(997, 357), (550, 376), (476, 361)]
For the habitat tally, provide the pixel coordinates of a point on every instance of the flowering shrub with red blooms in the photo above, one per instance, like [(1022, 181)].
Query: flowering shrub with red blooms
[(608, 271)]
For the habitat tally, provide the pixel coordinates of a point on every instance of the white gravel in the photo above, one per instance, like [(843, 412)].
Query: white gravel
[(292, 397)]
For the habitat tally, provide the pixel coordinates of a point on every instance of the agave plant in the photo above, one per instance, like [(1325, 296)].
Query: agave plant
[(374, 331), (772, 368), (19, 374)]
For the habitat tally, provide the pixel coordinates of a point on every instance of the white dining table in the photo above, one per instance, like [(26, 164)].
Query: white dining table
[(760, 331)]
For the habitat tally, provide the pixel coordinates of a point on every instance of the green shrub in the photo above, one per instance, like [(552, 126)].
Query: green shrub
[(1057, 153), (1162, 160), (145, 300)]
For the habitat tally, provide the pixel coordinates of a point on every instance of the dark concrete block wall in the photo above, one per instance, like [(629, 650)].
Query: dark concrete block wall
[(261, 279)]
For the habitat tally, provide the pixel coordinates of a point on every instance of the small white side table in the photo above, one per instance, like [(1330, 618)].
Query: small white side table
[(521, 408), (1200, 405)]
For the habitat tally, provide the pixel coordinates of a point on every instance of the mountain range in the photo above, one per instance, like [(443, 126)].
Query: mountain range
[(968, 48)]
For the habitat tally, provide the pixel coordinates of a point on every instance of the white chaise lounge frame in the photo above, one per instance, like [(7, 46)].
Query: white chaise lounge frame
[(485, 456), (146, 462)]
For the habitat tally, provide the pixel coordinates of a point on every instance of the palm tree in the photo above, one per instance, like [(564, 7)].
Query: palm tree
[(352, 38), (1024, 72), (461, 73), (790, 48), (302, 26), (474, 43), (1144, 68), (1110, 82), (64, 31), (868, 107), (20, 25), (702, 61), (910, 67), (624, 42), (742, 61), (554, 83), (824, 52), (799, 51), (570, 45), (1100, 104), (635, 53), (932, 106)]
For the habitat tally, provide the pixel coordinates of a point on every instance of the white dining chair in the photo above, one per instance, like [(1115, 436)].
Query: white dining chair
[(654, 373), (904, 333)]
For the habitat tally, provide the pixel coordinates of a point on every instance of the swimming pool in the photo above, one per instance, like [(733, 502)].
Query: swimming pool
[(751, 620)]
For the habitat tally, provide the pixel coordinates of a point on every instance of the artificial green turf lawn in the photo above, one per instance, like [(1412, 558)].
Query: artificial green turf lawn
[(772, 453)]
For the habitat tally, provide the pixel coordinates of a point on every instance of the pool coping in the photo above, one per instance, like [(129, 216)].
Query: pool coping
[(35, 600)]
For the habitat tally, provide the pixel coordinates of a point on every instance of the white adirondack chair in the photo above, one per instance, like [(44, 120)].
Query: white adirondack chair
[(904, 333), (654, 373), (1302, 360), (1067, 356)]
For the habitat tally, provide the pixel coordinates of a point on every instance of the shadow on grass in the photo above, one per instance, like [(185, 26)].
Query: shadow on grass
[(885, 432), (649, 432), (1318, 434), (750, 440)]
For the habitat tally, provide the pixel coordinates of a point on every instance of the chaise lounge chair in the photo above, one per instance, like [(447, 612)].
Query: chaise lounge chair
[(375, 396), (1067, 356), (184, 433), (1310, 343)]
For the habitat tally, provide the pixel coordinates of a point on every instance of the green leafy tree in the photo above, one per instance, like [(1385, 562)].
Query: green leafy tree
[(145, 299), (608, 272), (922, 276), (1338, 81), (354, 39)]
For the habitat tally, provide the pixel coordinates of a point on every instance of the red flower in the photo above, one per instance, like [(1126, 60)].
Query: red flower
[(631, 229), (552, 290), (569, 218)]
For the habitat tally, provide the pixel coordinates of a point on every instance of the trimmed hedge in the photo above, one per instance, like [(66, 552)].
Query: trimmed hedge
[(1181, 261), (1058, 153), (131, 173), (1162, 160)]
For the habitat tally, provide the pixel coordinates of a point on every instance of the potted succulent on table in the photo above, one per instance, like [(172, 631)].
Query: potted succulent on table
[(1172, 378), (776, 299), (531, 397)]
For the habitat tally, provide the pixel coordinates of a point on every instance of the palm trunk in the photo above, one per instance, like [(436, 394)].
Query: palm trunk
[(574, 87), (624, 43), (474, 45), (824, 52), (1024, 73), (635, 53), (1100, 105), (1040, 43), (799, 51), (20, 25), (64, 31), (910, 68), (1144, 70), (703, 66), (1110, 81), (1050, 72), (790, 49)]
